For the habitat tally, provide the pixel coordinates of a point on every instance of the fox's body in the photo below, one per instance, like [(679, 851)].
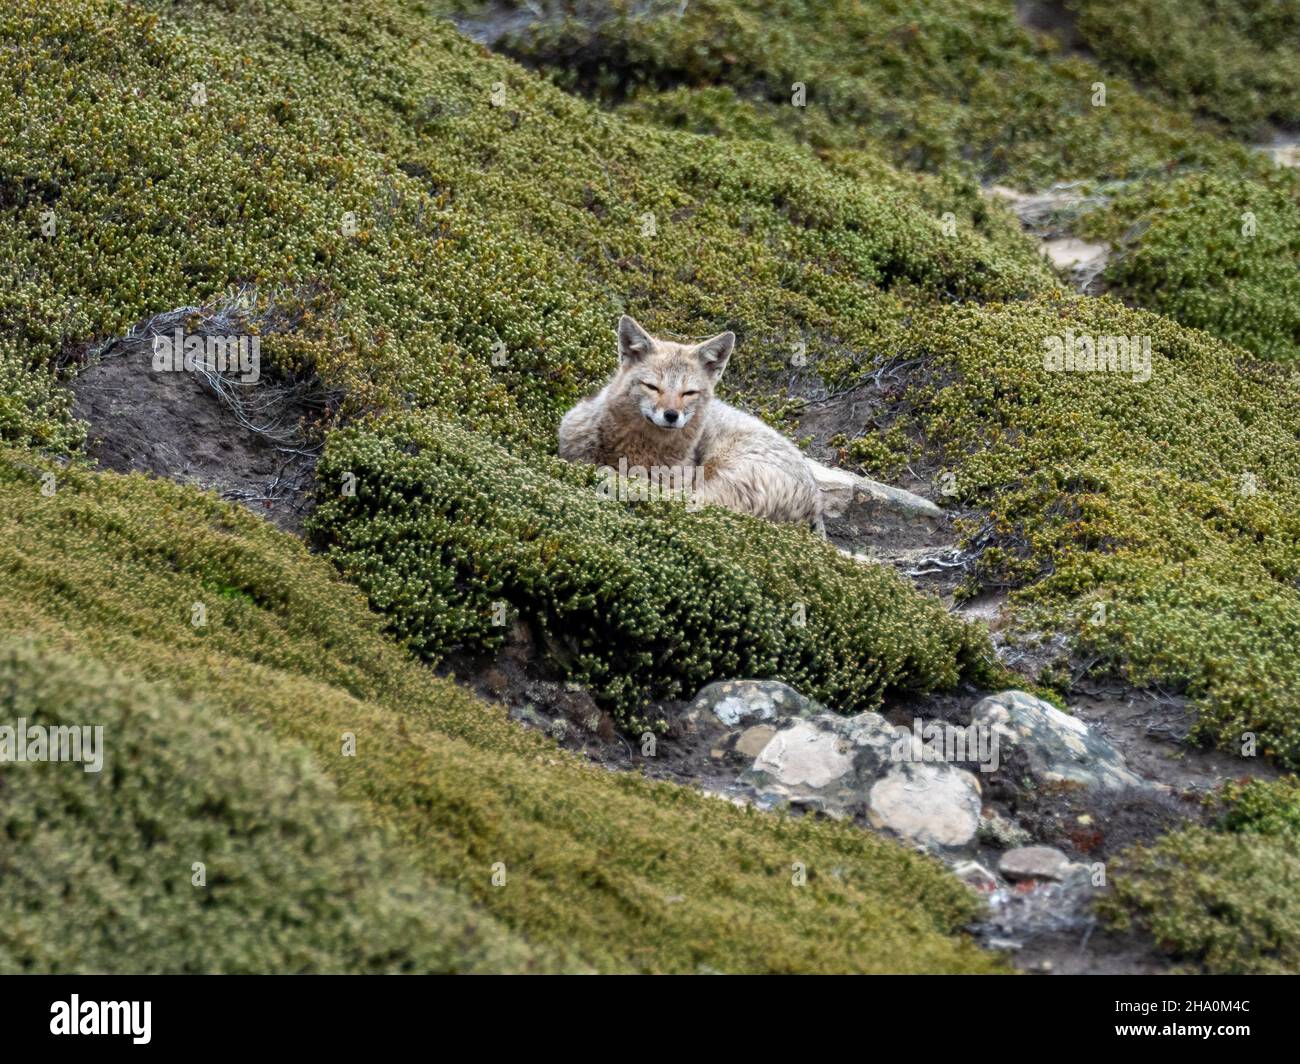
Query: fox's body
[(659, 410)]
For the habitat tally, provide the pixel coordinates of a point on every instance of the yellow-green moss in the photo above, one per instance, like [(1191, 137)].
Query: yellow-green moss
[(1155, 520), (1221, 254), (961, 88), (602, 870), (203, 845), (358, 154)]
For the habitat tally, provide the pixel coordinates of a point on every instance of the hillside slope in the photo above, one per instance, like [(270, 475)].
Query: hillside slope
[(226, 745), (434, 241)]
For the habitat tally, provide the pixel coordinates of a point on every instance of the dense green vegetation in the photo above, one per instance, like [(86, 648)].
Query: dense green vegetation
[(935, 86), (958, 87), (225, 745), (1101, 489), (1156, 520), (98, 873), (354, 161), (1219, 253), (442, 526), (476, 231), (1232, 60), (1223, 898)]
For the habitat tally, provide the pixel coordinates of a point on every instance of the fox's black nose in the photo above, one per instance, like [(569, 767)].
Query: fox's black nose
[(670, 416)]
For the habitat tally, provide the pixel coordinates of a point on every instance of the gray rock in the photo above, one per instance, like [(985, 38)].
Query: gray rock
[(864, 766), (1051, 215), (1034, 862), (1058, 748), (846, 495), (736, 702), (1081, 259)]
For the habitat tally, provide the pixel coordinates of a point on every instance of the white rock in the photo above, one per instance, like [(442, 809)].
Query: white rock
[(1034, 862), (934, 805), (805, 755)]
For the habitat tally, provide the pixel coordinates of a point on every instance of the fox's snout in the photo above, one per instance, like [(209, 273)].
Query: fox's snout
[(666, 417)]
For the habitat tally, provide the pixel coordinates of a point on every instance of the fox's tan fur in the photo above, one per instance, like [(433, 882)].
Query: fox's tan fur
[(659, 410)]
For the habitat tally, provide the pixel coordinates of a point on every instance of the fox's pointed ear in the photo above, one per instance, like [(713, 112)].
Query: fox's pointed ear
[(634, 343), (713, 354)]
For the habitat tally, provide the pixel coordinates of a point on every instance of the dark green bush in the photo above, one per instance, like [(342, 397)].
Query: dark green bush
[(637, 600)]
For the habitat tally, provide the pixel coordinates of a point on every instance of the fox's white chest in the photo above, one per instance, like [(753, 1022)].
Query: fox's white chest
[(645, 448)]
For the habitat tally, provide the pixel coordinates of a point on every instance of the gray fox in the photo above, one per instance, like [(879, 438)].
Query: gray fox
[(658, 410)]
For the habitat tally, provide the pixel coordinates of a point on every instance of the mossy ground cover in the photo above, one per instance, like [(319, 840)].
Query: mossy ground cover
[(1155, 520), (1232, 60), (961, 88), (224, 745), (458, 236), (1102, 491), (455, 237), (207, 845), (934, 86), (359, 158)]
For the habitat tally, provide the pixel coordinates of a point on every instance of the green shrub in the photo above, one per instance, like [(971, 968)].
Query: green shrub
[(1228, 903), (1253, 807), (451, 537), (353, 158), (1216, 253), (960, 88), (957, 85), (1233, 60), (1227, 900)]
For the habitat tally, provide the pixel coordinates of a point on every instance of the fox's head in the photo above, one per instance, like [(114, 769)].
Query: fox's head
[(665, 382)]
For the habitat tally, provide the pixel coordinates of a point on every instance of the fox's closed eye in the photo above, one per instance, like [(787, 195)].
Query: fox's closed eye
[(689, 394), (647, 384)]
